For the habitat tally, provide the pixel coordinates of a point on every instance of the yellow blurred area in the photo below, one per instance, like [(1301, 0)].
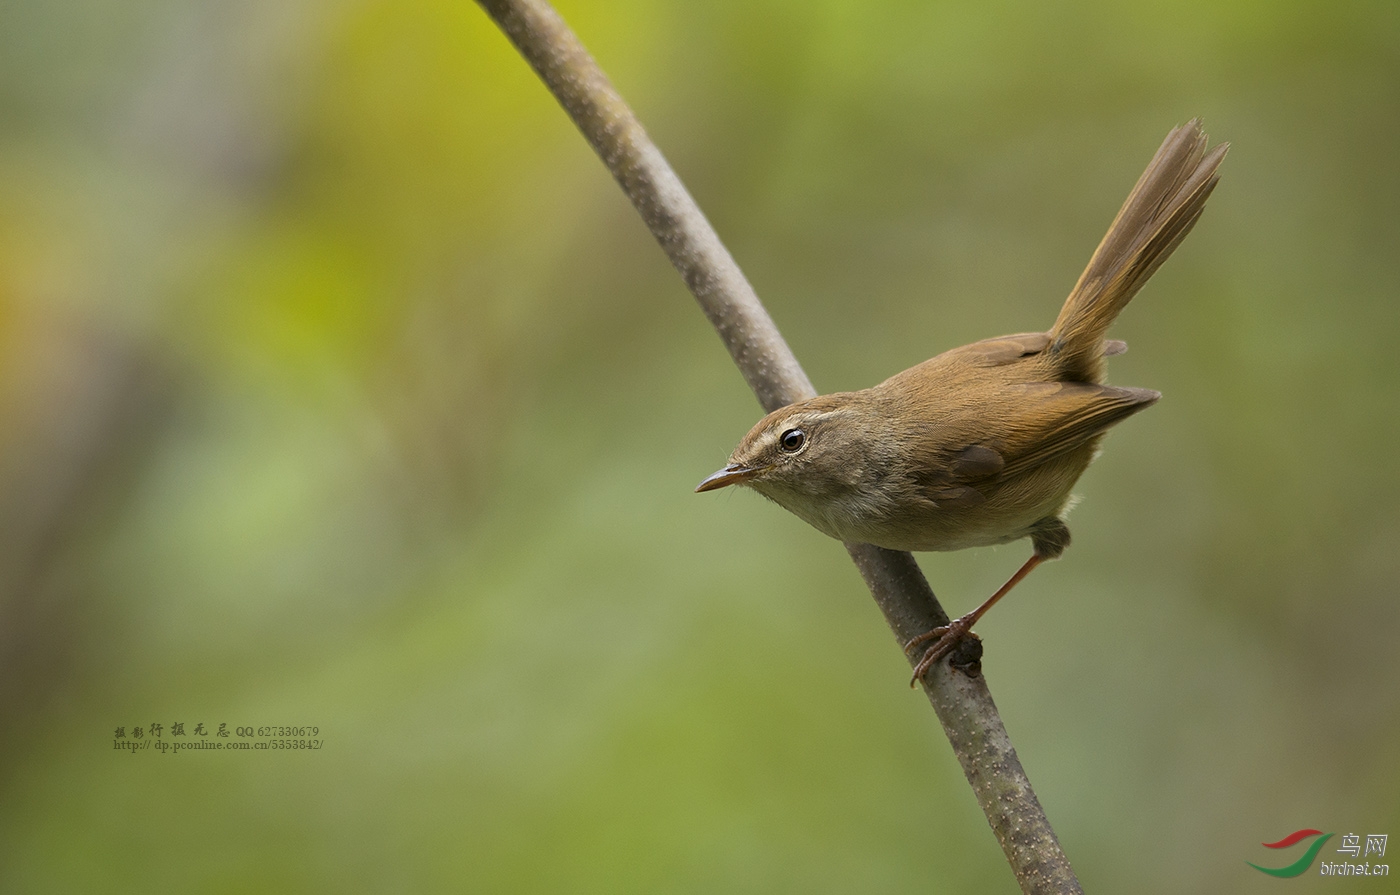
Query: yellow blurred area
[(340, 387)]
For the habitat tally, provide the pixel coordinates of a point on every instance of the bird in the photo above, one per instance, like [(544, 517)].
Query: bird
[(982, 444)]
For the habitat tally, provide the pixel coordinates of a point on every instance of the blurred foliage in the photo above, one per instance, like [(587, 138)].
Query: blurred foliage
[(340, 386)]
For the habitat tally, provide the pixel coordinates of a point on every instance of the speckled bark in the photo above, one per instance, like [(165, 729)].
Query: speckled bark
[(959, 697), (971, 722), (665, 205)]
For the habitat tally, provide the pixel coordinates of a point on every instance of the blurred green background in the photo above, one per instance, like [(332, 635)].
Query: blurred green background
[(340, 386)]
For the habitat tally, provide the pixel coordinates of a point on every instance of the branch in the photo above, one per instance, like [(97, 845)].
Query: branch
[(959, 697)]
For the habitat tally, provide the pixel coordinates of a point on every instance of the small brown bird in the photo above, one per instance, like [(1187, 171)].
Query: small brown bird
[(982, 444)]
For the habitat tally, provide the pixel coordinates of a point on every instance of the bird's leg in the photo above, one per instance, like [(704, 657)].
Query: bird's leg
[(948, 636)]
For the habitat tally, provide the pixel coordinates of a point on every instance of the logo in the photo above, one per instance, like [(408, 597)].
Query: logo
[(1300, 866), (1351, 845)]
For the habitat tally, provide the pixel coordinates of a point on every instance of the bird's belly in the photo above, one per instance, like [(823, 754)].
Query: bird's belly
[(940, 533), (1010, 511)]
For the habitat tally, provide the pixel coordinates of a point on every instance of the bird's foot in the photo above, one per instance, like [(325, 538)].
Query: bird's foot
[(945, 639)]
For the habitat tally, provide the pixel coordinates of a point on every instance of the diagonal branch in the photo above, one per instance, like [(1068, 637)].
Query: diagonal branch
[(959, 697)]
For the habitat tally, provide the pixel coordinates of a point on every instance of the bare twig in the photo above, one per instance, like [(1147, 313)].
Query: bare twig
[(960, 698)]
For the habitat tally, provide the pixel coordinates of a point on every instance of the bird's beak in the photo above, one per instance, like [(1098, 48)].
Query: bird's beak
[(733, 474)]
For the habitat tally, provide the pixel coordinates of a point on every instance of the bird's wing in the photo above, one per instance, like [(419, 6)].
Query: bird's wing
[(1015, 429), (1065, 415)]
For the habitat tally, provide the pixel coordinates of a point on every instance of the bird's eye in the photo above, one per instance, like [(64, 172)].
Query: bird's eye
[(792, 441)]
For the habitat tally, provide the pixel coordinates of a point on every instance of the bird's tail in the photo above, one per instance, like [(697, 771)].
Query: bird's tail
[(1159, 212)]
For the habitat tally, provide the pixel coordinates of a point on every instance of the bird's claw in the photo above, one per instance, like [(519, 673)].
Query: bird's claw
[(930, 634), (947, 638)]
